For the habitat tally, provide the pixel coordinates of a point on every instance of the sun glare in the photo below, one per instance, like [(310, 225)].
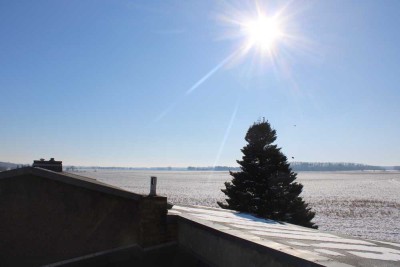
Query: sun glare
[(263, 32)]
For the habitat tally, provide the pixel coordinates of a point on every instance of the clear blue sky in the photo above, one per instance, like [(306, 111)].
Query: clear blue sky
[(109, 83)]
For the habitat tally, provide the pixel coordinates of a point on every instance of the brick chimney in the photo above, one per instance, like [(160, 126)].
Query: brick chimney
[(52, 165)]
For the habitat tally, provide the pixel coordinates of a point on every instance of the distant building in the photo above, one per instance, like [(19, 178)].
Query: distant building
[(51, 164)]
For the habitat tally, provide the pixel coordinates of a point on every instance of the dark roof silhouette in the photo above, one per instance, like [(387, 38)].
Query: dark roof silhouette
[(72, 179)]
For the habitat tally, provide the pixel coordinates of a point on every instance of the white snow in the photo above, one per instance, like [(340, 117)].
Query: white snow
[(254, 219), (351, 203), (374, 256), (389, 243), (249, 224), (211, 218), (313, 238), (358, 247), (262, 226), (328, 252), (283, 230), (298, 244)]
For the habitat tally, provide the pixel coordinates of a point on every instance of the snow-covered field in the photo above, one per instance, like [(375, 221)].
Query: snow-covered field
[(360, 204)]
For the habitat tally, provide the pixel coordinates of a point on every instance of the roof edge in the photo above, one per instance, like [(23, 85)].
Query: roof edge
[(75, 180)]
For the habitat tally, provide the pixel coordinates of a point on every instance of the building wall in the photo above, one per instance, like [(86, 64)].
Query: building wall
[(216, 248), (44, 221)]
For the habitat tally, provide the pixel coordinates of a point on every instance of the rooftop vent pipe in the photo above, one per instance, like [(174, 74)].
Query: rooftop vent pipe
[(153, 186)]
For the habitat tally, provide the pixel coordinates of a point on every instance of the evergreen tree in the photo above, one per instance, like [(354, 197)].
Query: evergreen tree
[(265, 185)]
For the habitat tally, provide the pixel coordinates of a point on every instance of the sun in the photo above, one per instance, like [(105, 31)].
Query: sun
[(263, 32)]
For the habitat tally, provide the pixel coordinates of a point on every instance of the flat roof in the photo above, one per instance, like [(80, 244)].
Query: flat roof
[(325, 248)]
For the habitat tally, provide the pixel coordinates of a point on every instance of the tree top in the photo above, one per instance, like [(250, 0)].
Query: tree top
[(261, 132)]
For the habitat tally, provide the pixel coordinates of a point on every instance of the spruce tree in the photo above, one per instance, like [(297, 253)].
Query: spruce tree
[(265, 185)]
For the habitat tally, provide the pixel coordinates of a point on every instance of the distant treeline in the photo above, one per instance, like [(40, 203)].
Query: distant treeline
[(296, 166), (333, 166), (4, 166), (190, 168), (216, 168), (309, 166)]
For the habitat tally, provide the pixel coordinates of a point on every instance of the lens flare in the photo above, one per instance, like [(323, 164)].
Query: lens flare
[(263, 32), (265, 37)]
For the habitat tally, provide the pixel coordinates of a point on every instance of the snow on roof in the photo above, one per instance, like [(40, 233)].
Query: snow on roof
[(348, 250)]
